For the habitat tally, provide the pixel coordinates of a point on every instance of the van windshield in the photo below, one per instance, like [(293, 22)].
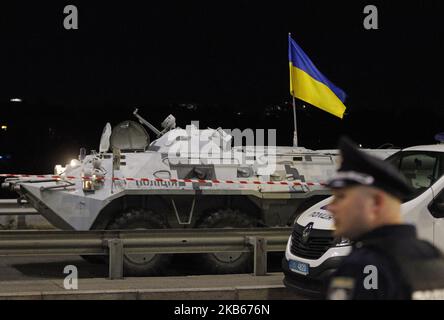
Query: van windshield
[(421, 168)]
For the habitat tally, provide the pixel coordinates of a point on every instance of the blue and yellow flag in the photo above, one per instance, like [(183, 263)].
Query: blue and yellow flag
[(310, 85)]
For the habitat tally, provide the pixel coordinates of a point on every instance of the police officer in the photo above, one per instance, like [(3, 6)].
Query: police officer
[(387, 261)]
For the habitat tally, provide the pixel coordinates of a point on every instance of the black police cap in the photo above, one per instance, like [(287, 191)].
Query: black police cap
[(360, 168)]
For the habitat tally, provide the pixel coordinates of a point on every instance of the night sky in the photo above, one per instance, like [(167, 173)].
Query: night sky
[(223, 63)]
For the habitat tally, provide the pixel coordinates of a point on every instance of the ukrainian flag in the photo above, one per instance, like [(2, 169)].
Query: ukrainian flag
[(310, 85)]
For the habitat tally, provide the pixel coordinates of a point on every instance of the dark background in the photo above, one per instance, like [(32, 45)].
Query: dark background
[(223, 63)]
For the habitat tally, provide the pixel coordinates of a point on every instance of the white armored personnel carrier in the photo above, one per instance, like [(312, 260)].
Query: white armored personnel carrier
[(185, 178)]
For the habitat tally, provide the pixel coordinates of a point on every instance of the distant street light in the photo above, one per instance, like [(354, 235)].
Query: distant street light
[(15, 100)]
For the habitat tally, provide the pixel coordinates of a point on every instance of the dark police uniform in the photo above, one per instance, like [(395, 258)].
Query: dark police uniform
[(389, 262)]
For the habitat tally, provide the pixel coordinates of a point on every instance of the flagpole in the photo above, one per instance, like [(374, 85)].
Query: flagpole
[(295, 133)]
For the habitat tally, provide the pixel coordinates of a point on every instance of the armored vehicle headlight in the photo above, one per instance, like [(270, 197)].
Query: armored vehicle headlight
[(87, 183)]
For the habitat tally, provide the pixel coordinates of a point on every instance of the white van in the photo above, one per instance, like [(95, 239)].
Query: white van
[(312, 252)]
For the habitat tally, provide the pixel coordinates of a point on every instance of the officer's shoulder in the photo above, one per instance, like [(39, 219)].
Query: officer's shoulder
[(364, 255), (403, 248), (364, 260)]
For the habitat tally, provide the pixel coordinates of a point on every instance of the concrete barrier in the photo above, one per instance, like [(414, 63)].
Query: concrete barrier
[(202, 287), (240, 293)]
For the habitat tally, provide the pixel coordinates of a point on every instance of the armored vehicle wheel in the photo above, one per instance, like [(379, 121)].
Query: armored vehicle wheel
[(142, 264), (232, 262)]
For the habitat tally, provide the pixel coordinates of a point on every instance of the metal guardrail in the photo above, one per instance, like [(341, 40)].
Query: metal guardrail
[(116, 243), (12, 207)]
